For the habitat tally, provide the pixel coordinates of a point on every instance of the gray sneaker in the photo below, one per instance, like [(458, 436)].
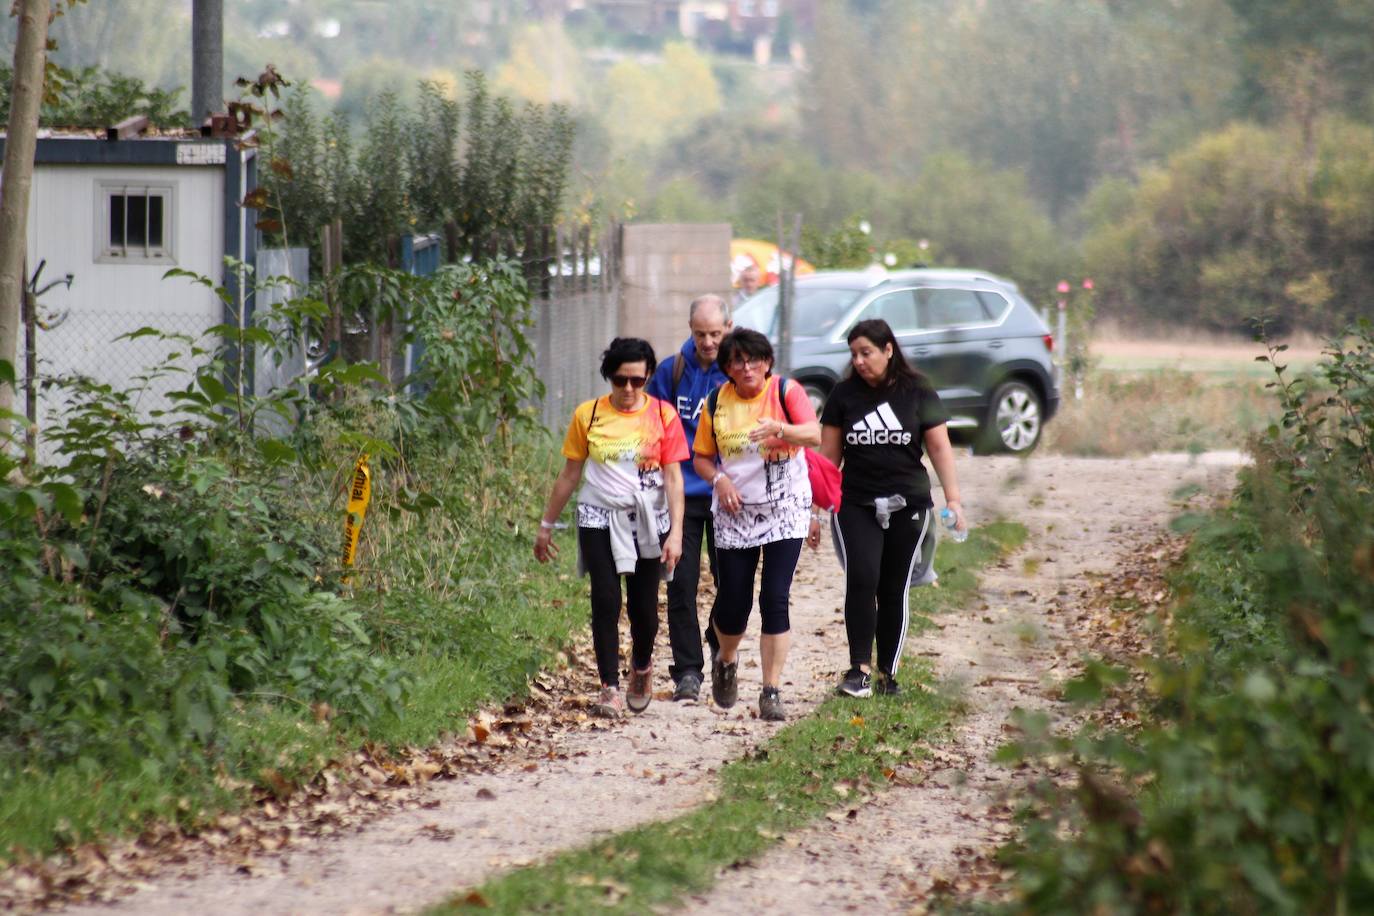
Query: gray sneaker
[(770, 705), (688, 688), (724, 690), (856, 683)]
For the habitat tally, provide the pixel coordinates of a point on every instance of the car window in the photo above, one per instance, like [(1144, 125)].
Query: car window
[(994, 303), (816, 310), (948, 308), (897, 308)]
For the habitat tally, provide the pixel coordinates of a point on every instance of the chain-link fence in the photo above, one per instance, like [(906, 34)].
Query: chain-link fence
[(576, 313), (93, 343)]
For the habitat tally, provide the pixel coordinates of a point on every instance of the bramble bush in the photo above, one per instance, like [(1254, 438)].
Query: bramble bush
[(1250, 788)]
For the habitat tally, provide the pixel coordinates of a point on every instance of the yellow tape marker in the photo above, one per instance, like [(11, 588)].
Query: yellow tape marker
[(359, 495)]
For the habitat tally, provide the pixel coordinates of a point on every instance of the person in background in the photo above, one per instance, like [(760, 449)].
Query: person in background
[(684, 381), (625, 448), (749, 445), (748, 283), (874, 425)]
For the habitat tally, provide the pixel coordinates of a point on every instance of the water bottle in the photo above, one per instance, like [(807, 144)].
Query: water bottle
[(949, 520)]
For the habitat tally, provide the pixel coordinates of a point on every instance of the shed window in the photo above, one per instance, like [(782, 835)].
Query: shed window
[(137, 222)]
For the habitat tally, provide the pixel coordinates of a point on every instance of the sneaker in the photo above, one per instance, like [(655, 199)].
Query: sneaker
[(770, 705), (886, 685), (856, 683), (641, 689), (608, 704), (724, 690), (688, 688)]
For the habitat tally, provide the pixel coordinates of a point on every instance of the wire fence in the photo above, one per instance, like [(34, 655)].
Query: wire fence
[(574, 284), (94, 344)]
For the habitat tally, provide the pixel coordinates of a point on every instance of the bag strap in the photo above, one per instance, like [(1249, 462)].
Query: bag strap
[(782, 397), (679, 366)]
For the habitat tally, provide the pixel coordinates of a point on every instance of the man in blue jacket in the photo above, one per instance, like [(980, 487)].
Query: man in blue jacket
[(684, 381)]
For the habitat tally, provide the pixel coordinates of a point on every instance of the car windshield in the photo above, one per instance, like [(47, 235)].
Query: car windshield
[(816, 311)]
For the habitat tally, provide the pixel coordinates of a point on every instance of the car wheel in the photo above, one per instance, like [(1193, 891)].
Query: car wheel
[(817, 396), (1014, 419)]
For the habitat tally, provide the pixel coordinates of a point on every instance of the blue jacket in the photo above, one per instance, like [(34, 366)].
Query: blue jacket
[(696, 384)]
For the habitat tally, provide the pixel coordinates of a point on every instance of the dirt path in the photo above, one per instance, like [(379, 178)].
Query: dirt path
[(1009, 652), (587, 781)]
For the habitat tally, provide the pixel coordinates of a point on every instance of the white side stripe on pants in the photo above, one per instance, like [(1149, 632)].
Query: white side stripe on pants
[(906, 591)]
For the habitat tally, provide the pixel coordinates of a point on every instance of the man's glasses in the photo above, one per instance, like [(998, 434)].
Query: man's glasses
[(634, 381)]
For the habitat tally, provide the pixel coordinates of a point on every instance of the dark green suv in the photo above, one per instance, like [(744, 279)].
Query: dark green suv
[(982, 344)]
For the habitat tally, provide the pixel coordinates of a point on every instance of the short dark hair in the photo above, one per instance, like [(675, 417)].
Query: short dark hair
[(879, 332), (743, 342), (624, 350)]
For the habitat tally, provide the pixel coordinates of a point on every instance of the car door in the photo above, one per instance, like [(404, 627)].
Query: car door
[(957, 343)]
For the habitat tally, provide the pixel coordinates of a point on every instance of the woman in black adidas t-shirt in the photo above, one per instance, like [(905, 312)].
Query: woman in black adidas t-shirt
[(874, 425)]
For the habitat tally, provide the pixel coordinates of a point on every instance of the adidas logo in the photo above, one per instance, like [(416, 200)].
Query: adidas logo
[(880, 427)]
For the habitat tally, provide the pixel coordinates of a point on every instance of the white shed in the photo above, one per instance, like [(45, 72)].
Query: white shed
[(116, 215)]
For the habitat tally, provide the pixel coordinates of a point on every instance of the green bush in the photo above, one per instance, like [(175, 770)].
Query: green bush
[(1251, 787)]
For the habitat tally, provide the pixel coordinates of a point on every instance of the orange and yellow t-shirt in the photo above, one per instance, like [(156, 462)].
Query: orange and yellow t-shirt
[(623, 452), (770, 475)]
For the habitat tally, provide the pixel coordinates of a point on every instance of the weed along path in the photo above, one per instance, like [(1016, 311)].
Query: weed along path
[(543, 778)]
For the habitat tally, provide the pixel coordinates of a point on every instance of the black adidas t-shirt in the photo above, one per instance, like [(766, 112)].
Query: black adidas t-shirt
[(882, 434)]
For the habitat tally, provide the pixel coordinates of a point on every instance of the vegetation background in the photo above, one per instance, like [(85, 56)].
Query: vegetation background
[(1204, 162)]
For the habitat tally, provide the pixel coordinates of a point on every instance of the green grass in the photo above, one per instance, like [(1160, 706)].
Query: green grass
[(46, 809), (789, 782)]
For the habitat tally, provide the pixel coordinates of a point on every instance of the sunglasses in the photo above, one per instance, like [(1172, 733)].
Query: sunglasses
[(634, 381)]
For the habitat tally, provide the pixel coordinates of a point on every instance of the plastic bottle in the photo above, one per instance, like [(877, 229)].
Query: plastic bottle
[(949, 520)]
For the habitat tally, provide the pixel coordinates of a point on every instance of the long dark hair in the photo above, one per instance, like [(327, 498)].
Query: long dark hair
[(879, 332)]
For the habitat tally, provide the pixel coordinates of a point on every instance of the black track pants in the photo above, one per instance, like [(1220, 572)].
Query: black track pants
[(641, 601), (684, 630), (877, 564)]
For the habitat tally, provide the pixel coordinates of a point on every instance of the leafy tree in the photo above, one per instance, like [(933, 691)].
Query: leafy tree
[(94, 98), (1303, 55), (1239, 225)]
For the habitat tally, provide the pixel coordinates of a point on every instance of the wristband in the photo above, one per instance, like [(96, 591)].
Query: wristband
[(547, 526), (817, 516), (716, 479)]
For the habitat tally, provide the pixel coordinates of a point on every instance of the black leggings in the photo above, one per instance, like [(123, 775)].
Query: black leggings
[(641, 592), (877, 565), (735, 597)]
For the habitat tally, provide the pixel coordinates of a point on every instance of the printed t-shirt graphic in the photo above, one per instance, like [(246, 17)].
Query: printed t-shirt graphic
[(883, 433), (624, 452), (770, 476)]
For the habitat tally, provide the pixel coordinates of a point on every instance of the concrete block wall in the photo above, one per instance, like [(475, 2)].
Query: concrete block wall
[(663, 268)]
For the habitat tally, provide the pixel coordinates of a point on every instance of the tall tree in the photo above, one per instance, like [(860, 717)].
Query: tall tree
[(26, 97)]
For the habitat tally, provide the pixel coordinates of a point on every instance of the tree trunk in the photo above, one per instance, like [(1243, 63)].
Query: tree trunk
[(207, 59), (26, 95)]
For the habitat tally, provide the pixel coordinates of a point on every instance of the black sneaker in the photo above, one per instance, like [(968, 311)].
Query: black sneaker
[(886, 685), (724, 690), (688, 688), (770, 705), (856, 683)]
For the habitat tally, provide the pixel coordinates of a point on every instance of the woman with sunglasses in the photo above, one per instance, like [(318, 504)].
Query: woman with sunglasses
[(876, 423), (624, 448), (749, 446)]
